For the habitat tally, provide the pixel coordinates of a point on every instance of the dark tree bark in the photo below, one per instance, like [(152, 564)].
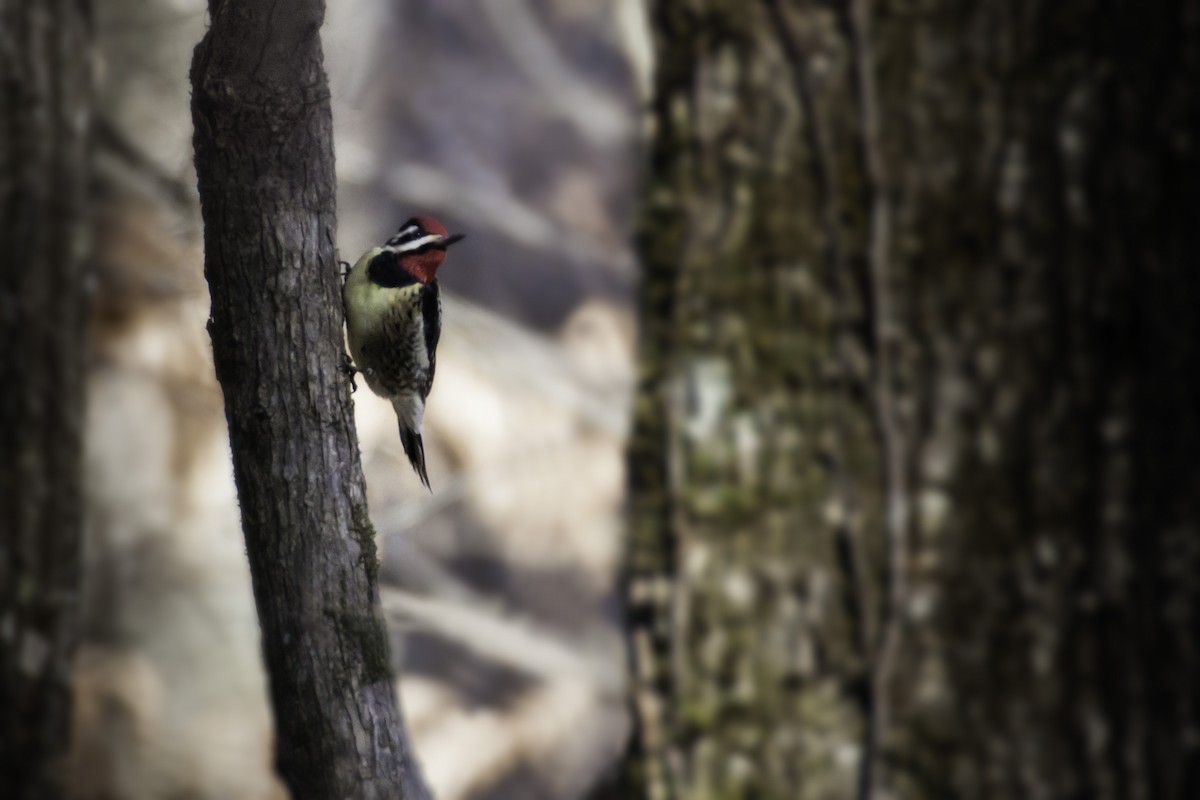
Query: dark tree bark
[(264, 159), (45, 82), (916, 499)]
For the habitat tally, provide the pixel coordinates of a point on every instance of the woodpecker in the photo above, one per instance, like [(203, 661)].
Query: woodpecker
[(394, 320)]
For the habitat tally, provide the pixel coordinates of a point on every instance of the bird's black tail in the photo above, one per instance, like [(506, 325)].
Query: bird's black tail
[(414, 448)]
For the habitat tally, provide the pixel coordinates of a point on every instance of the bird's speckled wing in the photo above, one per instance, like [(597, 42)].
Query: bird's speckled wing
[(431, 311)]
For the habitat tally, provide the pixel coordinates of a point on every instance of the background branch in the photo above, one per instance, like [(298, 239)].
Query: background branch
[(857, 21)]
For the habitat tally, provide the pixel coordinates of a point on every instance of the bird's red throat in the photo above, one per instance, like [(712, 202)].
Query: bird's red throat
[(424, 265)]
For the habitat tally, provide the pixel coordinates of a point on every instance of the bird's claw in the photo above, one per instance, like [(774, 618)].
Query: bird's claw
[(349, 370)]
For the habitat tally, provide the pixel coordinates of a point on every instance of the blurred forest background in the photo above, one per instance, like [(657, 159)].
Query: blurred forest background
[(893, 493)]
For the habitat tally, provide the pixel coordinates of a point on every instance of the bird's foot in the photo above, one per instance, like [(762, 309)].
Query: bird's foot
[(349, 370), (345, 265)]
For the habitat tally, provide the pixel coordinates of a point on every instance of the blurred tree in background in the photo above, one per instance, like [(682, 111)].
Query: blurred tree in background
[(914, 469), (45, 99)]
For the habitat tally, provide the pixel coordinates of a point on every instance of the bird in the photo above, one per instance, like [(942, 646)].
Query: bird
[(394, 321)]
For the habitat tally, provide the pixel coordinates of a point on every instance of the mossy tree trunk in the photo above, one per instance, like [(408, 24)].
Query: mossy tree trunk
[(752, 463), (264, 159), (45, 99), (915, 499)]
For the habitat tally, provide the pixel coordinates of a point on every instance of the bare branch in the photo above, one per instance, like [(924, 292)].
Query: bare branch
[(857, 22), (596, 116), (503, 638)]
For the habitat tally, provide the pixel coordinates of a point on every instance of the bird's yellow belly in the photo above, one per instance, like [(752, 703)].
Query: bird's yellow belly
[(386, 337), (369, 308)]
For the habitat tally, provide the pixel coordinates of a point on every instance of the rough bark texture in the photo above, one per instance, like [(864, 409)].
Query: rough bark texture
[(1038, 176), (741, 669), (45, 81), (264, 160)]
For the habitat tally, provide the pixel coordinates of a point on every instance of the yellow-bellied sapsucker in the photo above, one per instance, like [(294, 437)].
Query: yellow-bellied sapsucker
[(394, 320)]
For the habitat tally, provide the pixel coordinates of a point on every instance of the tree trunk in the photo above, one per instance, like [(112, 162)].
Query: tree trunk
[(915, 497), (753, 464), (45, 83), (264, 160)]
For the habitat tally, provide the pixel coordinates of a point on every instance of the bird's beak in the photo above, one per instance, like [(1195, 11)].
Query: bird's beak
[(451, 239)]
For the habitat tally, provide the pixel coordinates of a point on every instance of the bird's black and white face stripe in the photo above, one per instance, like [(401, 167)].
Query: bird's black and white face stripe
[(412, 237)]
